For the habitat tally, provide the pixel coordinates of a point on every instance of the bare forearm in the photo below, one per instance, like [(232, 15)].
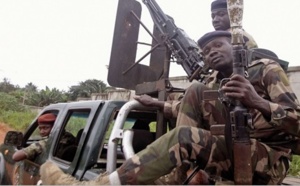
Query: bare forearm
[(19, 155)]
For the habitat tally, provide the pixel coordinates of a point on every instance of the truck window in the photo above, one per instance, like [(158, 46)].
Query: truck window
[(70, 135), (34, 130)]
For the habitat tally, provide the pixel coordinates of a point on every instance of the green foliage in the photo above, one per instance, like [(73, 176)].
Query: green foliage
[(86, 88), (17, 120), (75, 124), (46, 97), (9, 103), (6, 86), (295, 166), (30, 95)]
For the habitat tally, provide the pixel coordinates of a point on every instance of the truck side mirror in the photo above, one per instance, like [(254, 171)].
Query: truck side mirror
[(13, 138)]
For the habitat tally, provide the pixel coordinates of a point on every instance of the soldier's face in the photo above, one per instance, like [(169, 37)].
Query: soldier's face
[(220, 19), (45, 129), (218, 54)]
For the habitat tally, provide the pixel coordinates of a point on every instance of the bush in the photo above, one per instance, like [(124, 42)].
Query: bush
[(9, 103)]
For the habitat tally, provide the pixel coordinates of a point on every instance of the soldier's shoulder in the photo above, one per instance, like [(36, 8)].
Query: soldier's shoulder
[(264, 62)]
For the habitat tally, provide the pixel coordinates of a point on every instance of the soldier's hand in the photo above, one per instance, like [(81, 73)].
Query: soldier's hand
[(241, 89), (145, 100)]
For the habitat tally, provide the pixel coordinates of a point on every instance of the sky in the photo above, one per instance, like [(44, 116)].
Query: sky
[(59, 43)]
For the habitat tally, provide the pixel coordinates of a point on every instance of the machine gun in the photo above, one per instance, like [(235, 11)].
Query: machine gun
[(239, 116), (183, 48)]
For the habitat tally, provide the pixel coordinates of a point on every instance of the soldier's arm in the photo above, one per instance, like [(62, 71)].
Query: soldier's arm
[(149, 101), (19, 155), (284, 105), (31, 151), (170, 108)]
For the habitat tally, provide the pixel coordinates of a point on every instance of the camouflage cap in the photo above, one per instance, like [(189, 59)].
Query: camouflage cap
[(48, 118), (206, 38), (218, 4)]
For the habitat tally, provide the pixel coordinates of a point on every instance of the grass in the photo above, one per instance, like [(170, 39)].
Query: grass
[(295, 166), (17, 120)]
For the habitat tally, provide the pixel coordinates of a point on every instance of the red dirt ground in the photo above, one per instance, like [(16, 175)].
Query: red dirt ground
[(3, 130)]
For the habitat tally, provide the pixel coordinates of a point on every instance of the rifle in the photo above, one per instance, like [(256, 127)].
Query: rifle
[(239, 116), (183, 48)]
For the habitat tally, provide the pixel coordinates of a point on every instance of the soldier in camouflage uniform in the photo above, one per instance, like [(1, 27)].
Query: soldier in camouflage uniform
[(220, 21), (171, 108), (45, 124), (266, 93)]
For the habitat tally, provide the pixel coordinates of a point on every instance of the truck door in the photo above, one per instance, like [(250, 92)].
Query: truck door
[(71, 135), (26, 172)]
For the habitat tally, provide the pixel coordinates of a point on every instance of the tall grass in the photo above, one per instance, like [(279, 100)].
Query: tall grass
[(17, 120)]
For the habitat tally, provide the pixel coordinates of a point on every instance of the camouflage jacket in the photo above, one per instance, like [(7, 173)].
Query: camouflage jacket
[(172, 104), (271, 83), (35, 149)]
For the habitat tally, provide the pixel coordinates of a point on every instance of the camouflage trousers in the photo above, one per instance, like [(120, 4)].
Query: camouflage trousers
[(184, 144)]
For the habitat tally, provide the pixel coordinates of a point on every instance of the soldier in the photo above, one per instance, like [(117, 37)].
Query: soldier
[(45, 124), (220, 21), (270, 100)]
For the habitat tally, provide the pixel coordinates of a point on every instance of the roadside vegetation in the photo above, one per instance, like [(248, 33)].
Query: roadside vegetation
[(18, 115)]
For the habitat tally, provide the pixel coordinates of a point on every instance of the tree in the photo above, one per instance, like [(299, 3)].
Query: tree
[(29, 90), (86, 88), (46, 97), (30, 87), (6, 86)]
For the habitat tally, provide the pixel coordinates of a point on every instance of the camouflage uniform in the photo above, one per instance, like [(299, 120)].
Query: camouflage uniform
[(51, 174), (269, 162), (35, 149), (171, 107), (249, 40)]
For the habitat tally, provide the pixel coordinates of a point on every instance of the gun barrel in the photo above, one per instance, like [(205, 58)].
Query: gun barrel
[(182, 47)]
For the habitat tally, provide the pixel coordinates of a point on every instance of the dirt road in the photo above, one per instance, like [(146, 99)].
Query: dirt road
[(3, 130)]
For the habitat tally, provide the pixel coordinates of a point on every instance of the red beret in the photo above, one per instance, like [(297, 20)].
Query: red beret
[(47, 118)]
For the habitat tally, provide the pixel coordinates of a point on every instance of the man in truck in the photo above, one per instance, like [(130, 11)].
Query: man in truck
[(269, 98), (45, 124)]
